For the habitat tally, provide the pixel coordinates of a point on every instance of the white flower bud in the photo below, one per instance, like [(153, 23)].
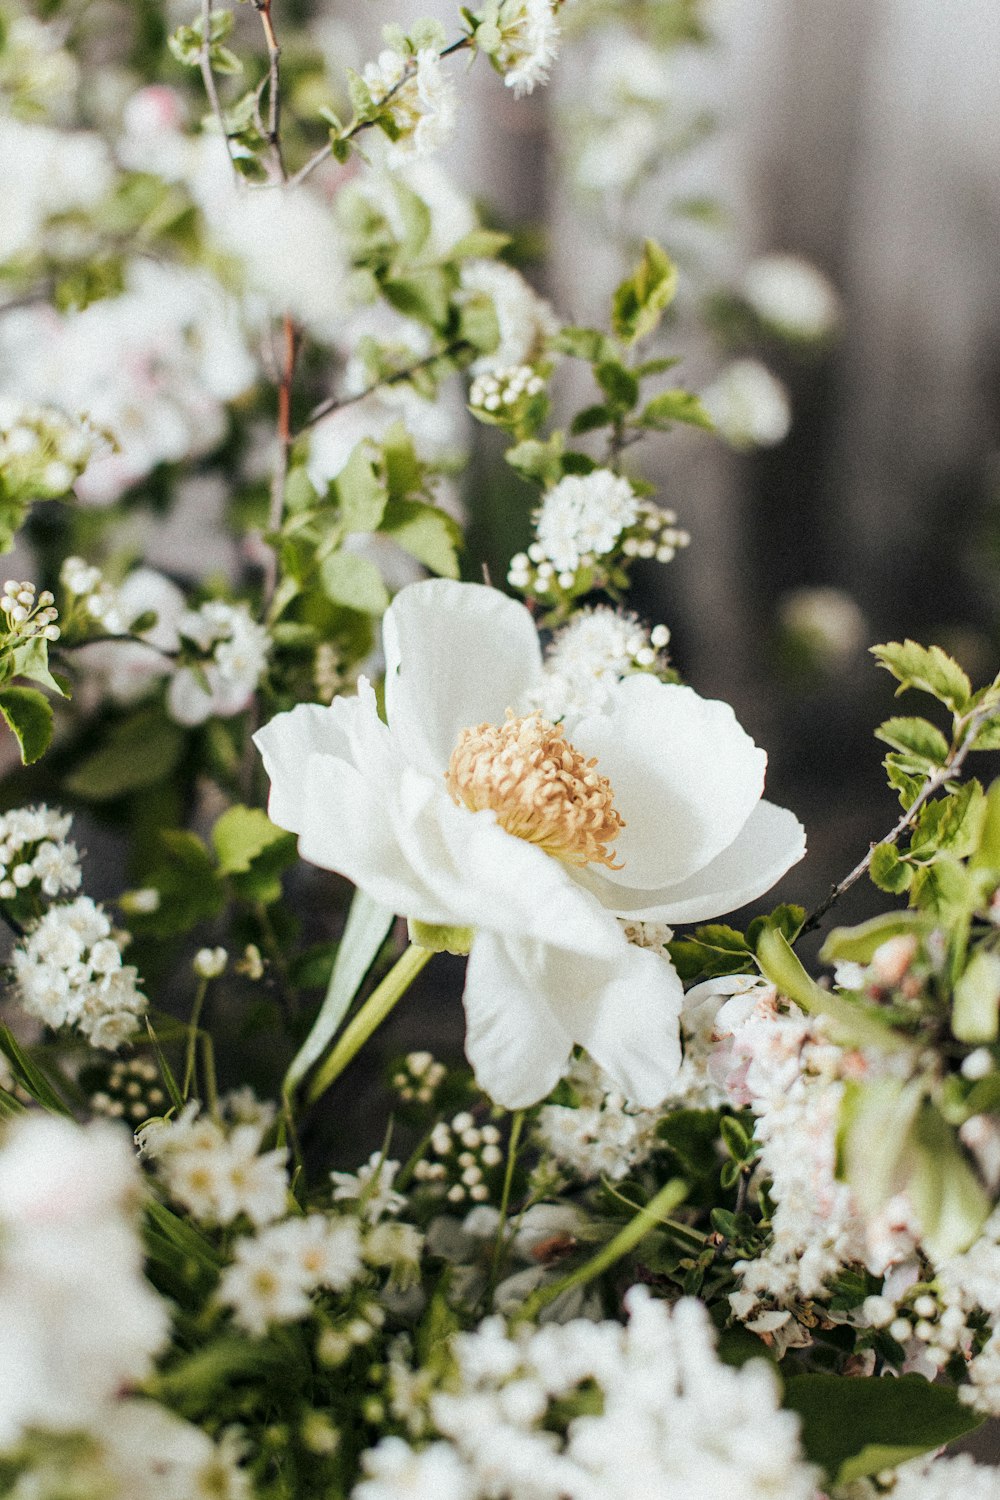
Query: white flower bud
[(209, 963)]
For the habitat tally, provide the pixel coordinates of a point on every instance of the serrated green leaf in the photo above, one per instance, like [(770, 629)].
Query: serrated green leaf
[(675, 406), (618, 384), (950, 823), (786, 919), (241, 835), (640, 301), (916, 736), (31, 660), (28, 715), (888, 871), (355, 582), (926, 669), (853, 1427), (427, 533), (359, 492), (988, 737)]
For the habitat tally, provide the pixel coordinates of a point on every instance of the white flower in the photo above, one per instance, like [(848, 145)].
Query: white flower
[(455, 816), (224, 684), (78, 1320), (34, 852), (69, 972), (395, 1471), (749, 405), (584, 514), (370, 1188), (420, 100), (130, 668), (602, 1135), (586, 658), (792, 295), (946, 1478), (526, 320), (528, 46), (215, 1172), (275, 1271)]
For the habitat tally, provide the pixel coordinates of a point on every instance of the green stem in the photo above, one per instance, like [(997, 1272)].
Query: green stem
[(192, 1037), (516, 1126), (371, 1015), (655, 1211)]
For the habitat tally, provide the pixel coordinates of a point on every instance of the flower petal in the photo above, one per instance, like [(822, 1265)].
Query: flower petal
[(770, 842), (457, 654), (517, 1048), (285, 745), (626, 1013), (685, 777)]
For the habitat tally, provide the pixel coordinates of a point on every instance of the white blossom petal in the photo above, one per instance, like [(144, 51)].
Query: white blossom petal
[(685, 777), (285, 745), (770, 842), (517, 1048), (457, 654)]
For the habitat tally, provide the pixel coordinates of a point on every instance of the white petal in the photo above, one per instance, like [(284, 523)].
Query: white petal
[(457, 654), (626, 1013), (685, 778), (771, 841), (285, 745), (517, 1048), (187, 701)]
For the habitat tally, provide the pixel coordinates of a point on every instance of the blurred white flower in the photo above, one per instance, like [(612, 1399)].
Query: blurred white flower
[(456, 816), (826, 621), (526, 320), (792, 295), (46, 172), (749, 405), (78, 1320), (225, 683)]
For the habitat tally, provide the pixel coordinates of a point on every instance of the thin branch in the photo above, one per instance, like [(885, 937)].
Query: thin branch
[(273, 132), (285, 439), (337, 403), (939, 778), (205, 63), (325, 152)]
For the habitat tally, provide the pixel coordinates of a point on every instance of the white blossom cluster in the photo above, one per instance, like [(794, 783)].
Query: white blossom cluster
[(68, 971), (671, 1419), (588, 656), (78, 1320), (792, 296), (214, 1167), (420, 101), (631, 104), (49, 172), (504, 391), (526, 321), (28, 614), (35, 853), (601, 1134), (418, 1078), (236, 648), (460, 1157), (42, 450), (131, 1091), (588, 517), (929, 1479), (370, 1189), (522, 39), (276, 1271)]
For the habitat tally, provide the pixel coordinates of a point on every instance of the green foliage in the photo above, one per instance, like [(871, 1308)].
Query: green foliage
[(138, 752), (926, 670), (355, 582), (853, 1428), (675, 406), (28, 715), (640, 301)]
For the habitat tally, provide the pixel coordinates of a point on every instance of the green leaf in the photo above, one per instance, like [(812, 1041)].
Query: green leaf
[(786, 918), (300, 493), (28, 715), (987, 852), (950, 1202), (139, 752), (29, 1075), (975, 1013), (241, 835), (368, 924), (928, 670), (479, 244), (675, 406), (188, 884), (360, 493), (427, 533), (355, 582), (710, 951), (31, 660), (536, 460), (988, 737), (862, 1026), (424, 295), (584, 343), (888, 871), (618, 384), (903, 780), (951, 823), (590, 419), (640, 302), (918, 736), (876, 1138), (854, 1427), (858, 944)]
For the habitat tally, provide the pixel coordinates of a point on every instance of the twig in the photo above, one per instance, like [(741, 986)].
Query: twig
[(336, 403), (280, 474), (205, 63), (939, 778), (273, 132)]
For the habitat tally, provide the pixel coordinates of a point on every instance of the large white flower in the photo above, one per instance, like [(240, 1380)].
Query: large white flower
[(464, 809)]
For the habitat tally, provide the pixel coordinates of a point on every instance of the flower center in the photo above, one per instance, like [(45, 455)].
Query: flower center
[(539, 786)]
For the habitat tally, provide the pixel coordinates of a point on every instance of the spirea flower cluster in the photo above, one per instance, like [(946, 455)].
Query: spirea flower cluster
[(35, 853)]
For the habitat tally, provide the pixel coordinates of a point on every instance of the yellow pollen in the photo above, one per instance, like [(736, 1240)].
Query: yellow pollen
[(539, 786)]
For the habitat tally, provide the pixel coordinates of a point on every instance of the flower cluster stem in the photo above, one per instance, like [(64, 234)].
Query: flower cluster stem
[(655, 1212), (367, 1020)]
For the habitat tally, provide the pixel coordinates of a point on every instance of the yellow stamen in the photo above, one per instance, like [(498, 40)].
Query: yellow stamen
[(539, 786)]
